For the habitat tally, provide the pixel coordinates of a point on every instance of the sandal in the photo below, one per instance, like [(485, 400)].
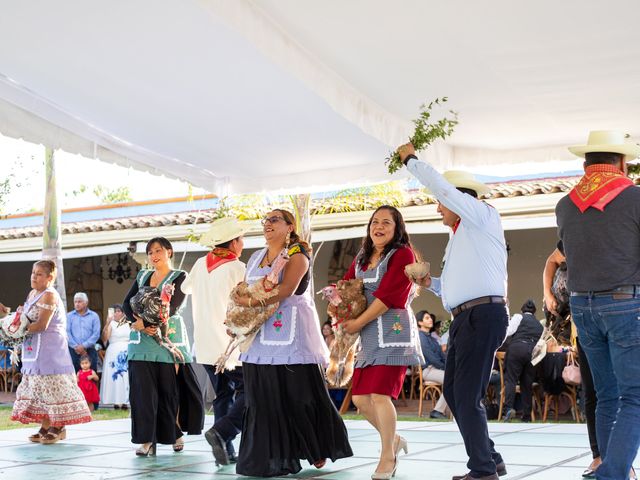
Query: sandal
[(146, 449), (37, 437), (179, 445), (53, 435)]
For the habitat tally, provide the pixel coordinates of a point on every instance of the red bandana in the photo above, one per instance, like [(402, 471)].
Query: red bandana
[(455, 226), (600, 184), (219, 256)]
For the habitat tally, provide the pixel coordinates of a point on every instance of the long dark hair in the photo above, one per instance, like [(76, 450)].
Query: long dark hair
[(293, 236), (400, 236)]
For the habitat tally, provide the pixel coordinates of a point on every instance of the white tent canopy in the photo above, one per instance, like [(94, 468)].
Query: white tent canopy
[(248, 95)]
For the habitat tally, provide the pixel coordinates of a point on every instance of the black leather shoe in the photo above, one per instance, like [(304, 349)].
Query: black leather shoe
[(501, 470), (469, 477), (437, 414), (218, 446)]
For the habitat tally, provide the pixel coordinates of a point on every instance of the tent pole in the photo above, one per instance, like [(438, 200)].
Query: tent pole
[(302, 211), (51, 234)]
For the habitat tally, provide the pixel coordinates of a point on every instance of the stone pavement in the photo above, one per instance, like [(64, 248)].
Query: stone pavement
[(102, 450)]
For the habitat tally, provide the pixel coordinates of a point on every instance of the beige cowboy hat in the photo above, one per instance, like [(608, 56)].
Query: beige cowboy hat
[(222, 230), (607, 141), (462, 179)]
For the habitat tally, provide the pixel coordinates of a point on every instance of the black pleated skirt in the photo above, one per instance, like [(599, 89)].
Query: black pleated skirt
[(288, 417)]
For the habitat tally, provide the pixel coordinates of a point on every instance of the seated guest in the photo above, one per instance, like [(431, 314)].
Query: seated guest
[(523, 332), (433, 368), (337, 394), (83, 331), (327, 333)]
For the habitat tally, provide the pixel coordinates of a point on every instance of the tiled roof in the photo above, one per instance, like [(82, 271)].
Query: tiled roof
[(127, 223), (514, 189), (499, 190)]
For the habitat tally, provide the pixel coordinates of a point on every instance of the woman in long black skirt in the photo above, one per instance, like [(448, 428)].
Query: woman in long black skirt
[(289, 415), (164, 393)]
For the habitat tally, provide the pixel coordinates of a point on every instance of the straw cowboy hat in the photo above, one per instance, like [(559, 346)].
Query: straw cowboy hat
[(462, 179), (607, 141), (222, 230)]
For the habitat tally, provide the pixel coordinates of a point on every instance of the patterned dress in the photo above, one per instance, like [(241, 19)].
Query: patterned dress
[(49, 389), (114, 386), (389, 343)]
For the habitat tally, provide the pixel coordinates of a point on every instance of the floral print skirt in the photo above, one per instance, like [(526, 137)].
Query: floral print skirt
[(56, 398)]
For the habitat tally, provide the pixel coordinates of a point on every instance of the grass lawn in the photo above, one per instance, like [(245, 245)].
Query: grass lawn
[(100, 414)]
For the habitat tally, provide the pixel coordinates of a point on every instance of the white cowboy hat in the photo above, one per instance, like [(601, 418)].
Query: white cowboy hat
[(607, 141), (462, 179), (222, 230)]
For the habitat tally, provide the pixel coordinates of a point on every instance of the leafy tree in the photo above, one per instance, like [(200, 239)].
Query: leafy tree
[(106, 196), (113, 195), (7, 185)]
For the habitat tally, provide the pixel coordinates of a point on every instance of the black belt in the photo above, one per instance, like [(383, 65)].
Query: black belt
[(625, 291), (475, 302)]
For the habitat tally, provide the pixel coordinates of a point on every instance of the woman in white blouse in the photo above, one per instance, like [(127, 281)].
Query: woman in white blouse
[(114, 387)]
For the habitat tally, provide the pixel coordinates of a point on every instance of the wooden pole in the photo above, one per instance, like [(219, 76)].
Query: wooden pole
[(52, 229), (302, 212)]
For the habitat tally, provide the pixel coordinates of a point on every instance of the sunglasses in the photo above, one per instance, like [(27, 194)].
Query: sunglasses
[(271, 220)]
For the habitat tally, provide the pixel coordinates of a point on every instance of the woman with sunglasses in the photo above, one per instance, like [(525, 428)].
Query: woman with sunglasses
[(288, 415), (388, 331)]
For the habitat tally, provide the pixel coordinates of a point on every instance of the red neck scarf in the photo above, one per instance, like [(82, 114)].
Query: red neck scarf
[(600, 184), (455, 226), (219, 256)]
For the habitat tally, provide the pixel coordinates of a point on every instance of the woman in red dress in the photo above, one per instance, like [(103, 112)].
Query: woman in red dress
[(389, 341)]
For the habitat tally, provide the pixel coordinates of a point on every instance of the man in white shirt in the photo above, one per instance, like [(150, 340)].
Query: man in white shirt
[(210, 283), (473, 286)]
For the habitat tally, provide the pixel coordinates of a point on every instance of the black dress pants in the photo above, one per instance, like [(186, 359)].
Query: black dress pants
[(474, 337), (153, 394), (590, 400), (228, 406), (519, 369)]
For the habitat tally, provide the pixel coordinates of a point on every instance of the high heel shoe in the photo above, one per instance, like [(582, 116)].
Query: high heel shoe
[(146, 449), (402, 445), (179, 445), (386, 475)]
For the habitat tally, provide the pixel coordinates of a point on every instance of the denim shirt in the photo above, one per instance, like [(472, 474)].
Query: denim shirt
[(83, 329), (433, 354)]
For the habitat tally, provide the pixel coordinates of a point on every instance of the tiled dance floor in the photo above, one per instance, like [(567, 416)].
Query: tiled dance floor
[(102, 450)]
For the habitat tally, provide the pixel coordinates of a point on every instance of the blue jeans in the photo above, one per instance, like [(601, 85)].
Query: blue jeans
[(609, 331)]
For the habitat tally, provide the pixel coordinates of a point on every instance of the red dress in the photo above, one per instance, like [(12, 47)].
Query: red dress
[(394, 290), (88, 387)]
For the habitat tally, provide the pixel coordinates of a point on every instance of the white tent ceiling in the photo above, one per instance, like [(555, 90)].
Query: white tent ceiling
[(297, 93)]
